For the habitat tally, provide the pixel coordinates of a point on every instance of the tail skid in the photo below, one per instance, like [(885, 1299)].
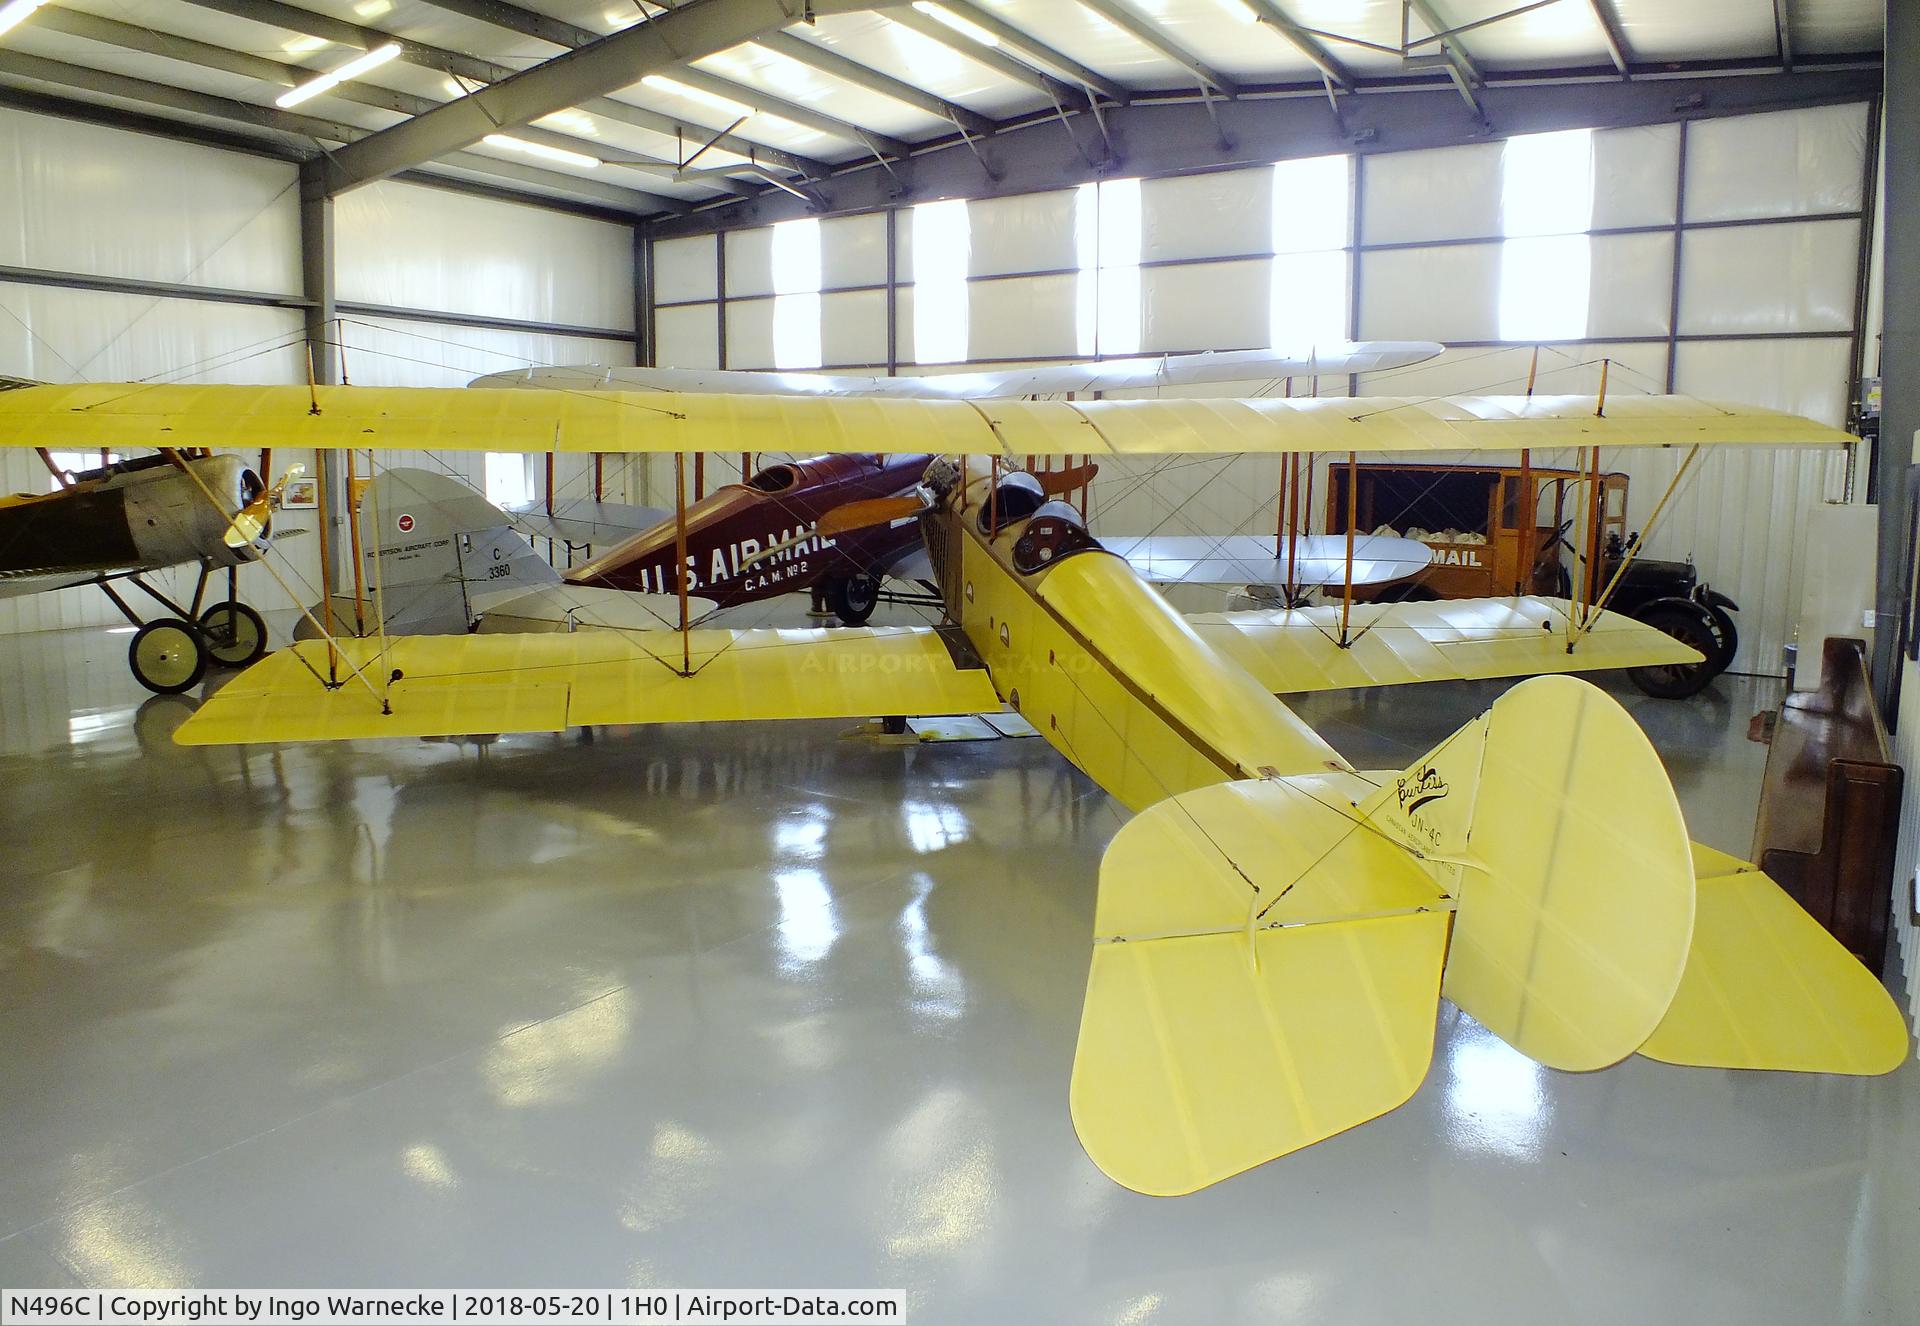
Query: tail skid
[(1269, 955)]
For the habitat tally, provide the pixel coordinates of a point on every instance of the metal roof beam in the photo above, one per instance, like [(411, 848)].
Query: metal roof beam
[(1452, 47), (1148, 34), (804, 116), (991, 57), (109, 32), (274, 13), (301, 128), (1031, 48), (1783, 33), (1616, 39), (835, 65), (1303, 41)]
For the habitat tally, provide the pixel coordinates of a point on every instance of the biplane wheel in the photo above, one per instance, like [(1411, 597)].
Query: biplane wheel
[(167, 656), (854, 598), (234, 634)]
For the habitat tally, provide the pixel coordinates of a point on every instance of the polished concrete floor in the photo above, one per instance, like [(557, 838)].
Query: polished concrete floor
[(791, 1005)]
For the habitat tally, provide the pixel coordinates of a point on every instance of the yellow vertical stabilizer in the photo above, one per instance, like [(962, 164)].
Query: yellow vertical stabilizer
[(1767, 987)]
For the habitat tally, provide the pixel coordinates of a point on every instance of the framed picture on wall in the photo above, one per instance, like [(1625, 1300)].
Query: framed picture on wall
[(300, 495)]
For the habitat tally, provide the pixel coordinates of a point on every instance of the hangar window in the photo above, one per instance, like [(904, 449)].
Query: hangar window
[(509, 478), (1546, 209), (796, 294), (1312, 210), (942, 241), (1106, 234), (78, 462)]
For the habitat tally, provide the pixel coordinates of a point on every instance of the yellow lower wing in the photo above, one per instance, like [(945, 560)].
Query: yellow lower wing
[(1766, 987), (1392, 644), (426, 686)]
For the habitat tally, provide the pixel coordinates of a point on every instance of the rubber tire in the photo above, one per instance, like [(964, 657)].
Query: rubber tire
[(228, 626), (1689, 624), (171, 640), (854, 598), (1724, 620)]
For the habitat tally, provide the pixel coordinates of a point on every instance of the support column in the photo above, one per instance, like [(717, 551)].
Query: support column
[(1900, 350), (317, 285)]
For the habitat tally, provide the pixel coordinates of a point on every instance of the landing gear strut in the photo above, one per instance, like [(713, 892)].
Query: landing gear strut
[(170, 654)]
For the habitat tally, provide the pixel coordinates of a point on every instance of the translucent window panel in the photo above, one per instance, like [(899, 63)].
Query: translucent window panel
[(1312, 204), (1451, 293), (1224, 213), (749, 262), (1635, 176), (1544, 284), (1444, 193), (687, 337), (796, 331), (853, 328), (1785, 163), (1030, 232), (750, 334), (1107, 311), (1546, 183), (796, 306), (1205, 306), (853, 251), (1632, 286), (685, 269), (1307, 301), (941, 239), (1020, 317), (521, 262), (81, 198), (1797, 276), (1802, 377)]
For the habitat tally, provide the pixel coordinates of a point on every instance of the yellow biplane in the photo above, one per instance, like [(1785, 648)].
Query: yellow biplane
[(1274, 928)]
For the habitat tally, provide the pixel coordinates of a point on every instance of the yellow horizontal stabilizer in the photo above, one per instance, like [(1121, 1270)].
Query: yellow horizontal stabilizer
[(1393, 644), (1767, 987), (504, 419), (1265, 974), (466, 684), (1571, 869)]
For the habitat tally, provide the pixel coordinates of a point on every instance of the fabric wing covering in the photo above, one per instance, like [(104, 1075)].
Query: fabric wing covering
[(478, 419)]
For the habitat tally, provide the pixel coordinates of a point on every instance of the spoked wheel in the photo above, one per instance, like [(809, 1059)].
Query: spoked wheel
[(1690, 625), (167, 656), (854, 598), (234, 634)]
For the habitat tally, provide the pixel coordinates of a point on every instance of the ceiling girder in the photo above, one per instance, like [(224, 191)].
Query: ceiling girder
[(1783, 33), (990, 57), (835, 65), (1616, 39), (1148, 34), (1032, 48), (1460, 64), (1304, 42)]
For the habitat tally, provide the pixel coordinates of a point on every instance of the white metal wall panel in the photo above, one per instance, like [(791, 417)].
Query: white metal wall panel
[(413, 246), (750, 334), (1031, 232), (1798, 276), (77, 197), (749, 262), (1450, 293), (1016, 317), (1785, 163), (853, 328), (685, 269), (1803, 376), (1636, 176), (1220, 214), (1632, 285), (397, 352), (853, 251), (1637, 367), (1206, 306), (1445, 193), (687, 337)]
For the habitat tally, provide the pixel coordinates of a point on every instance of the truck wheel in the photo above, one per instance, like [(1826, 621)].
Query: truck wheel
[(854, 598), (167, 656), (1690, 624)]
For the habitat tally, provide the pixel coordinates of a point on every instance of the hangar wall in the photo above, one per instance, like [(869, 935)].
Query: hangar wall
[(1723, 259), (171, 261)]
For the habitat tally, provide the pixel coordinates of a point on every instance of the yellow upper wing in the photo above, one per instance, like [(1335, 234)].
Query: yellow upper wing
[(1392, 644), (462, 684), (499, 419)]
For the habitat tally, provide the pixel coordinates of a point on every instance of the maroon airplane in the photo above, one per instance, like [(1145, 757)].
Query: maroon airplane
[(730, 530)]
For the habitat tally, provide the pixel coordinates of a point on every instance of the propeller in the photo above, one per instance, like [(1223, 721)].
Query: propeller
[(850, 517), (251, 520)]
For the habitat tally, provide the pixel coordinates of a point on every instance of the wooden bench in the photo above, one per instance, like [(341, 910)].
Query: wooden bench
[(1830, 804)]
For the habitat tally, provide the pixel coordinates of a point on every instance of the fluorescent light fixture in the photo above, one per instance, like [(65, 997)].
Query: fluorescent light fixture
[(660, 83), (966, 28), (1241, 10), (559, 154), (11, 15), (352, 69)]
